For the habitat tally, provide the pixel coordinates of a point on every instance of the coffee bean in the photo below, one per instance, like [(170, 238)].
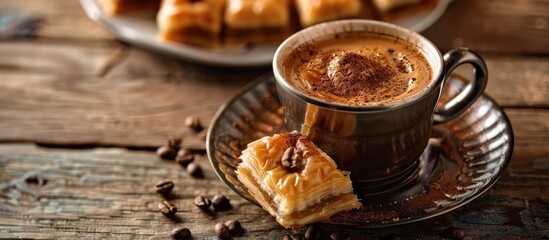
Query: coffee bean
[(163, 187), (37, 180), (184, 157), (167, 153), (194, 170), (167, 208), (286, 237), (234, 227), (339, 236), (174, 143), (202, 202), (222, 231), (193, 123), (453, 233), (181, 233), (221, 203), (312, 233)]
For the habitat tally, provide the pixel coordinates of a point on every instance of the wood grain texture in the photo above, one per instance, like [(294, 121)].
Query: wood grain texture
[(107, 193), (494, 26), (65, 21), (106, 95)]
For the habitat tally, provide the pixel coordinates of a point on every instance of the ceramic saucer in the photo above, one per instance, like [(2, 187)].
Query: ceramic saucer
[(464, 158)]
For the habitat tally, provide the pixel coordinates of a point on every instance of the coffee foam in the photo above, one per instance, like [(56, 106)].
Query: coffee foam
[(358, 69)]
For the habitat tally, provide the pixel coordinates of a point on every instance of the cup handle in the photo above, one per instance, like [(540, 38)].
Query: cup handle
[(471, 92)]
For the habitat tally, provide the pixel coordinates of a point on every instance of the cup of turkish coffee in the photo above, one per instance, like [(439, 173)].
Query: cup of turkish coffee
[(366, 92)]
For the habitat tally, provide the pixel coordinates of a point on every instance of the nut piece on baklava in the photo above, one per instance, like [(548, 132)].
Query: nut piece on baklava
[(253, 21), (117, 7), (295, 181), (387, 5), (197, 22), (315, 11)]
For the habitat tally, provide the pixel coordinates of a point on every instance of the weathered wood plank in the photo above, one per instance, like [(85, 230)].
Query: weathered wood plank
[(518, 82), (139, 112), (107, 193), (495, 26), (63, 20), (57, 59)]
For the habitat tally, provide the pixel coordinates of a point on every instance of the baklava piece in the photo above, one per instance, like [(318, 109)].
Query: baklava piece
[(388, 5), (315, 11), (118, 7), (252, 21), (295, 181), (196, 22)]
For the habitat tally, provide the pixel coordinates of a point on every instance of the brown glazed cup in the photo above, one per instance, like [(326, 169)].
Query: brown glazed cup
[(379, 144)]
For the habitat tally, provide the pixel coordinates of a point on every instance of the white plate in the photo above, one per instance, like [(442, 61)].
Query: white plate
[(142, 32)]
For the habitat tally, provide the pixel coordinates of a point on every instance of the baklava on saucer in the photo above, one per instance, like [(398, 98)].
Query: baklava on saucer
[(295, 181)]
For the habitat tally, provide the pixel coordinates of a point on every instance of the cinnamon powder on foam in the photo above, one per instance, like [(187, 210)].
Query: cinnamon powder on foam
[(364, 71)]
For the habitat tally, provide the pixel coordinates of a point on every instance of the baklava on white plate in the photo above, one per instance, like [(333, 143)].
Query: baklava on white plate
[(254, 14), (256, 21), (188, 21), (315, 11)]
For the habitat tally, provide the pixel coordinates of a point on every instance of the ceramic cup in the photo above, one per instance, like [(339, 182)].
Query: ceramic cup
[(379, 144)]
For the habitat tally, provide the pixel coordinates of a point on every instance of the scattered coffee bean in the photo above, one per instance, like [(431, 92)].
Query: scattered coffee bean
[(391, 237), (221, 203), (167, 153), (174, 143), (202, 202), (222, 231), (181, 233), (234, 227), (193, 123), (164, 187), (339, 236), (312, 233), (184, 157), (194, 170), (167, 208), (453, 233), (286, 237), (37, 180)]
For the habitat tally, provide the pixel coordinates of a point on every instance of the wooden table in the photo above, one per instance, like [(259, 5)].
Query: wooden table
[(83, 111)]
